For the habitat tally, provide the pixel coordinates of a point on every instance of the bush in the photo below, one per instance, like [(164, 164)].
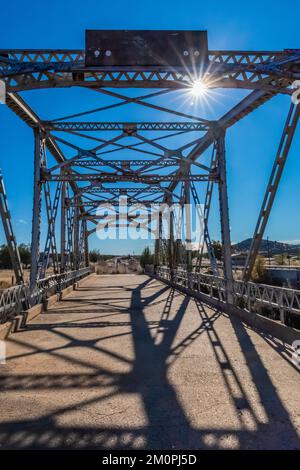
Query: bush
[(94, 256), (280, 259), (146, 257), (259, 270)]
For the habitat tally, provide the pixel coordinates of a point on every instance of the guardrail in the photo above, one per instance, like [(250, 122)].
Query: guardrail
[(279, 302), (19, 298)]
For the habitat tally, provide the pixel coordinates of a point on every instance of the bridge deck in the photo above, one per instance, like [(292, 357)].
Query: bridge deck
[(126, 362)]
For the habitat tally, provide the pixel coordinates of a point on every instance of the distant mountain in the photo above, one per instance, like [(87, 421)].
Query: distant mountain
[(275, 248)]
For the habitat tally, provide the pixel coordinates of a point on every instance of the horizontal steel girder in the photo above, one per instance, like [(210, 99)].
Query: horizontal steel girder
[(135, 178), (115, 218), (125, 163), (114, 203), (93, 189), (126, 127), (29, 69)]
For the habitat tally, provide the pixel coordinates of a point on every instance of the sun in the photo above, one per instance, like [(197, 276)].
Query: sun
[(199, 88)]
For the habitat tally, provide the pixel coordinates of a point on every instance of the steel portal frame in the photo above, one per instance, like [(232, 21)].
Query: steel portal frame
[(159, 171)]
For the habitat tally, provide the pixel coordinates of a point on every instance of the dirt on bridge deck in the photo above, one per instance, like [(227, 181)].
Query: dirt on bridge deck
[(125, 362)]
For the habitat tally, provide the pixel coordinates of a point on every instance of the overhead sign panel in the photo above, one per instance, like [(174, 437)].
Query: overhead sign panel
[(142, 48)]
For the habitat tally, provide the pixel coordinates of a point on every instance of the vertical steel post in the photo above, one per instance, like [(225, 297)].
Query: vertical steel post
[(86, 244), (36, 215), (63, 228), (188, 222), (69, 239), (171, 247), (224, 214), (158, 242), (76, 249)]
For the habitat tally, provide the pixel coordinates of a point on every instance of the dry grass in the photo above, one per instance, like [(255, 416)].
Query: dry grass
[(7, 277)]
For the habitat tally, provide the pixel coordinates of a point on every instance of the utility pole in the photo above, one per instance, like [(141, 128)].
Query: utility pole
[(268, 251)]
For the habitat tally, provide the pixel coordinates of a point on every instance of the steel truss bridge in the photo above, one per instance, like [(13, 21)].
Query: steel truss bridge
[(80, 164)]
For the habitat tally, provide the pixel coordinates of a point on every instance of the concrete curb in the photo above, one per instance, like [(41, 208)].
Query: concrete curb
[(285, 333), (50, 301), (65, 292), (20, 321), (82, 281), (5, 329)]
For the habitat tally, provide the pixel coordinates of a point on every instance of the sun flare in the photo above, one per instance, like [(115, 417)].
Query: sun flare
[(199, 88)]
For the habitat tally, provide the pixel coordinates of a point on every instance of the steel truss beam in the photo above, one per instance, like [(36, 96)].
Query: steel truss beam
[(70, 226), (238, 112), (115, 215), (153, 189), (50, 244), (135, 178), (39, 148), (267, 72), (224, 213), (206, 237), (100, 202), (129, 128), (76, 239), (123, 164), (28, 69), (63, 222), (23, 110), (272, 187), (9, 234), (85, 243), (207, 206)]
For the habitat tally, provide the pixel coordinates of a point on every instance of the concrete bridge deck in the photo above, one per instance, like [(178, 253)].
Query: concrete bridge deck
[(126, 362)]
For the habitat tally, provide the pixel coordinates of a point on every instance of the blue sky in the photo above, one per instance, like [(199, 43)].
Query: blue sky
[(251, 144)]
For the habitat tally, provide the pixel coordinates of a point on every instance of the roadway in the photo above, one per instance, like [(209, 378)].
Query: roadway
[(125, 362)]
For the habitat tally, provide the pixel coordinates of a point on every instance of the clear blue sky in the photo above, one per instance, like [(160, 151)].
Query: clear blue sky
[(251, 144)]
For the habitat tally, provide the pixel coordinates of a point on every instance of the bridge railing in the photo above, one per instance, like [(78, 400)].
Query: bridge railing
[(254, 297), (19, 298)]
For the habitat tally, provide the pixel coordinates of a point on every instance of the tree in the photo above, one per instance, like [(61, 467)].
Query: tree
[(25, 254), (94, 256), (146, 257), (217, 248), (5, 260), (24, 251)]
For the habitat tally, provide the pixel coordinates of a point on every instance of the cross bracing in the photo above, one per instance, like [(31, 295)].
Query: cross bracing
[(85, 159)]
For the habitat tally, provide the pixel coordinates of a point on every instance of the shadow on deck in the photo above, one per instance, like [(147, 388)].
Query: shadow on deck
[(137, 365)]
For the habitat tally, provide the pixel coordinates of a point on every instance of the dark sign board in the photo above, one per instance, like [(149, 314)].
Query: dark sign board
[(146, 48)]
